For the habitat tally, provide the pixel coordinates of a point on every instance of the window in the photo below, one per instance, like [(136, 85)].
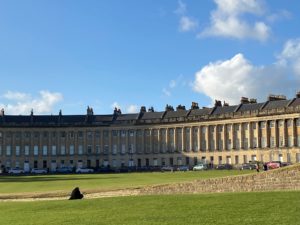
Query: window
[(62, 150), (281, 141), (89, 134), (53, 150), (80, 134), (263, 142), (53, 134), (97, 149), (45, 134), (123, 133), (89, 149), (131, 133), (253, 126), (220, 128), (27, 134), (45, 150), (245, 126), (298, 140), (236, 159), (228, 128), (289, 123), (229, 144), (106, 149), (1, 134), (245, 143), (71, 134), (254, 142), (262, 125), (0, 150), (123, 150), (97, 134), (298, 122), (237, 143), (290, 141), (18, 135), (203, 129), (17, 150), (105, 133), (62, 134), (272, 123), (80, 149), (272, 142), (71, 150), (36, 134), (280, 123), (237, 127), (26, 150), (114, 150), (155, 162), (35, 150)]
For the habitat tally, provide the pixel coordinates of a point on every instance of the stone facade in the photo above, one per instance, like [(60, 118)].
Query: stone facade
[(280, 179), (222, 134)]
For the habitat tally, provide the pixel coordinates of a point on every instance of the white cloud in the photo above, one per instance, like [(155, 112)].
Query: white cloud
[(290, 55), (228, 20), (166, 92), (115, 105), (16, 96), (236, 77), (22, 103), (181, 9), (187, 24), (280, 15), (132, 109), (172, 84)]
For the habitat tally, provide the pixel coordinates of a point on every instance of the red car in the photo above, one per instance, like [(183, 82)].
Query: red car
[(273, 165)]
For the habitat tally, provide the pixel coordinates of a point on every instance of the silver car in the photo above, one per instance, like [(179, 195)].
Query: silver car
[(15, 171)]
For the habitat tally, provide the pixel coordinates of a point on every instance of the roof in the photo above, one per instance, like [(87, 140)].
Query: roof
[(224, 109), (250, 107), (125, 117), (200, 112), (178, 113), (277, 104), (152, 115)]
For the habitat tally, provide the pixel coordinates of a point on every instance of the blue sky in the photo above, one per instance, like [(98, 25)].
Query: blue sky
[(67, 55)]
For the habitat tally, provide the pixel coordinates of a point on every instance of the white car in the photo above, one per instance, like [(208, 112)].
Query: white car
[(84, 170), (199, 167), (39, 171), (15, 171)]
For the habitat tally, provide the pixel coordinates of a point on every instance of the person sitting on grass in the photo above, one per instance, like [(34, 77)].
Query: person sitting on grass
[(76, 194)]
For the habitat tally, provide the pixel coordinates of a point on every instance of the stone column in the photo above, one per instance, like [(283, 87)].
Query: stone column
[(258, 133), (207, 138), (191, 139), (199, 138), (183, 139), (151, 141)]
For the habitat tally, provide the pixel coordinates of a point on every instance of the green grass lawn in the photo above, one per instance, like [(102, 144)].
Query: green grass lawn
[(268, 208), (49, 183)]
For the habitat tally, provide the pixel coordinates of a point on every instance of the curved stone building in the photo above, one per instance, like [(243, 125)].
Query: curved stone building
[(222, 134)]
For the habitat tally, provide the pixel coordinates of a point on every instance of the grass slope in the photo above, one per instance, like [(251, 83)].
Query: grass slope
[(280, 208), (47, 183)]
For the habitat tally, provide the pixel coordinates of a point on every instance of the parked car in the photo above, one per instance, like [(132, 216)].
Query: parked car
[(167, 168), (273, 165), (16, 171), (39, 171), (286, 164), (248, 166), (183, 168), (199, 167), (84, 170), (64, 170), (224, 167)]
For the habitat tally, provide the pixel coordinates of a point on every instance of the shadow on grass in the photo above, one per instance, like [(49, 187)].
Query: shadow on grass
[(49, 178)]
